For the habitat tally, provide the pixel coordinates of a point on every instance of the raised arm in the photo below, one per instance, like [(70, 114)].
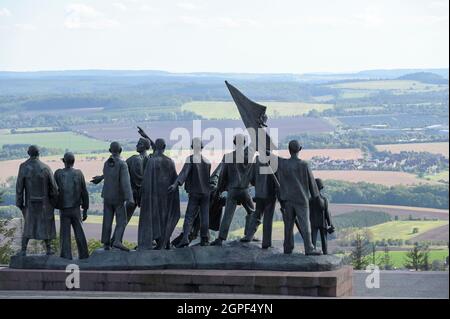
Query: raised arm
[(144, 135)]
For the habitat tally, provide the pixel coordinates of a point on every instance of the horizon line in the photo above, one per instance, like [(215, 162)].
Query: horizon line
[(222, 72)]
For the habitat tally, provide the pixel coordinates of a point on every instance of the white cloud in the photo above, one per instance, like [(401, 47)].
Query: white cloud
[(187, 5), (219, 22), (81, 16), (4, 12), (25, 27), (120, 6), (148, 8), (439, 4), (370, 18)]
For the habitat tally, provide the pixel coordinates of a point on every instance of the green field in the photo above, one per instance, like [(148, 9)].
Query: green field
[(396, 85), (228, 110), (440, 177), (403, 229), (277, 231), (398, 257), (390, 230), (134, 221), (354, 94), (61, 140)]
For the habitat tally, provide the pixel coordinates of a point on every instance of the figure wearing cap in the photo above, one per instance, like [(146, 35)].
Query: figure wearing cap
[(73, 194), (297, 186), (320, 218), (195, 175), (36, 196)]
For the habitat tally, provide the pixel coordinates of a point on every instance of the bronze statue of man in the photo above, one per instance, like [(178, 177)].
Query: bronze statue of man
[(320, 219), (160, 210), (195, 173), (136, 165), (297, 186), (117, 195), (72, 194), (235, 179), (36, 196), (265, 199)]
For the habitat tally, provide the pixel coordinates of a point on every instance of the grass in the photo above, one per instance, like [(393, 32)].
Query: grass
[(389, 230), (134, 221), (60, 140), (403, 229), (228, 110), (398, 258), (277, 231), (354, 94), (440, 177), (396, 85), (34, 129)]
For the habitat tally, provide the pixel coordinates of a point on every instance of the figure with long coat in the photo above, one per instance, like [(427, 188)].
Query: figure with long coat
[(160, 210), (36, 197)]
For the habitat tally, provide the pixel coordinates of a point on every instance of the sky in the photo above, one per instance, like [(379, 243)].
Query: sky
[(255, 36)]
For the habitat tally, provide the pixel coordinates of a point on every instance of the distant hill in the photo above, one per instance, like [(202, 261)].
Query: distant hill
[(424, 77), (164, 76)]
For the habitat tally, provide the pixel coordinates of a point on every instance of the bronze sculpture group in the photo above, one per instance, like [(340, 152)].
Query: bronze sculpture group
[(150, 181)]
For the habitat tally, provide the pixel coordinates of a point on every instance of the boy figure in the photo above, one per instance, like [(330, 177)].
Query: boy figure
[(36, 196), (297, 186), (72, 195), (320, 218), (195, 173), (117, 195)]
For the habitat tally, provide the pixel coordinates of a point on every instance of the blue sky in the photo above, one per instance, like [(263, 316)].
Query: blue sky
[(293, 36)]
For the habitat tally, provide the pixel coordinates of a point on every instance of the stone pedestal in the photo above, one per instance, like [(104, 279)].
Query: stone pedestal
[(234, 268), (335, 283)]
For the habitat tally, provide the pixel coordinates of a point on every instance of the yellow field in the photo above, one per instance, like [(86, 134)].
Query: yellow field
[(435, 148), (228, 110), (403, 229)]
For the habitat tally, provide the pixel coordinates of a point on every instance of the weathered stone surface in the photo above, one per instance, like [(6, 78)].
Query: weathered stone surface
[(186, 280), (232, 256)]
